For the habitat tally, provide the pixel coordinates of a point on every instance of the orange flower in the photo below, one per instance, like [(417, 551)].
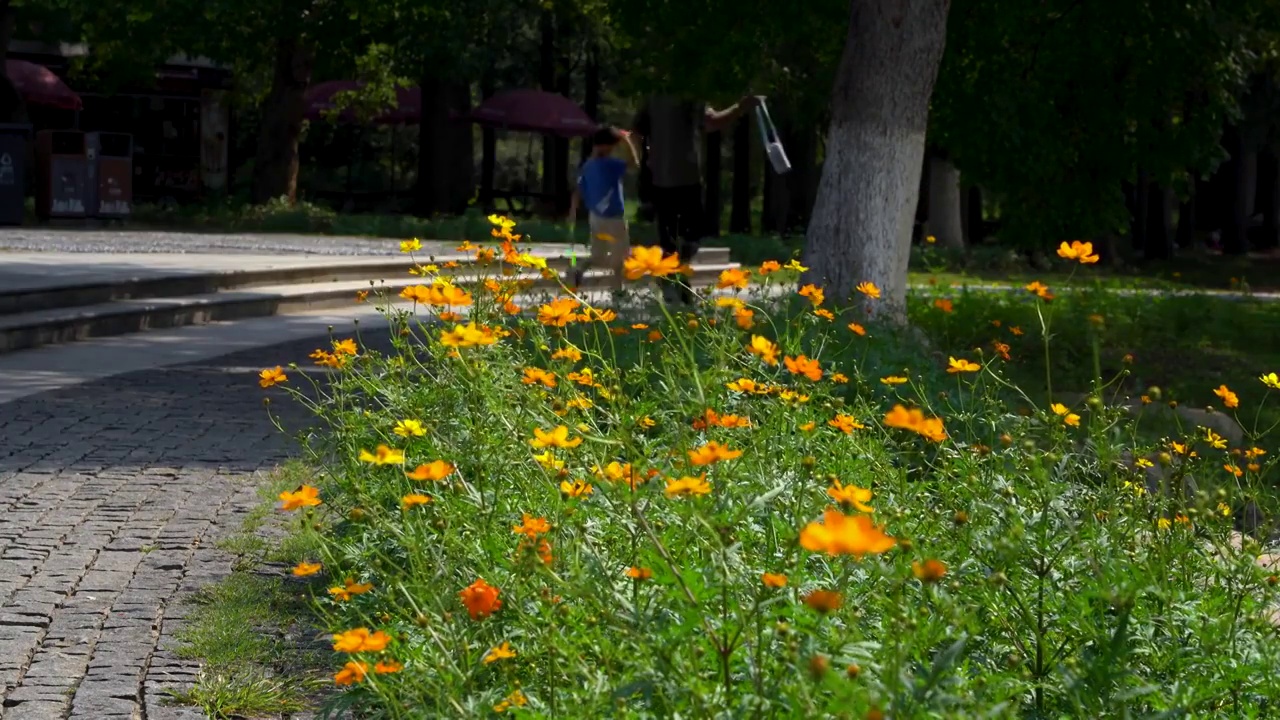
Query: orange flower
[(805, 366), (1233, 469), (744, 318), (734, 278), (303, 569), (824, 601), (915, 421), (894, 380), (1080, 251), (533, 376), (1229, 398), (556, 437), (388, 666), (480, 599), (362, 295), (434, 470), (845, 424), (770, 266), (814, 293), (559, 312), (851, 496), (469, 335), (639, 573), (272, 376), (360, 640), (764, 348), (1002, 349), (929, 571), (1015, 330), (869, 289), (687, 486), (531, 527), (857, 329), (713, 419), (575, 489), (943, 304), (304, 496), (501, 652), (351, 673), (825, 314), (649, 261), (349, 588), (413, 500), (962, 366), (840, 534), (1040, 290), (839, 378), (774, 580), (712, 452), (568, 352), (382, 455)]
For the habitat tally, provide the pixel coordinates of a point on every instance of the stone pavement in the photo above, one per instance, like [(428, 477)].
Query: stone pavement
[(112, 493)]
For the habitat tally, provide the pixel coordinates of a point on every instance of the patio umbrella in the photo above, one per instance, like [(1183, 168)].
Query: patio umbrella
[(38, 85), (534, 111), (319, 100)]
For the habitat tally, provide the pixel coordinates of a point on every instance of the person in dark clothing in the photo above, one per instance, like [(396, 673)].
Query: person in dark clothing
[(669, 127)]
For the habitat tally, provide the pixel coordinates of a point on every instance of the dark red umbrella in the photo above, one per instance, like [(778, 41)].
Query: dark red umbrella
[(534, 111), (319, 100), (39, 86)]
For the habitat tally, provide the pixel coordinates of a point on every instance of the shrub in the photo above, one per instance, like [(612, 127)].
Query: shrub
[(740, 511)]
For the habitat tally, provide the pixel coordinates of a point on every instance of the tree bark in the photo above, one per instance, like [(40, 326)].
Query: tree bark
[(974, 228), (1269, 198), (802, 181), (740, 214), (862, 221), (1158, 243), (275, 166), (1236, 222), (445, 162), (713, 207), (1185, 236), (945, 222), (488, 149)]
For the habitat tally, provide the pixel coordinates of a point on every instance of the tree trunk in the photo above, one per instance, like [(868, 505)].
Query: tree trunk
[(861, 226), (1236, 224), (12, 107), (713, 207), (773, 208), (560, 201), (1269, 198), (275, 166), (488, 149), (802, 181), (1185, 235), (445, 163), (547, 81), (974, 226), (740, 214), (945, 223), (591, 94)]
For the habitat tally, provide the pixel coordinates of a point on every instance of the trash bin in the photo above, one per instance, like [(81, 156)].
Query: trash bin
[(13, 164), (110, 187), (62, 174)]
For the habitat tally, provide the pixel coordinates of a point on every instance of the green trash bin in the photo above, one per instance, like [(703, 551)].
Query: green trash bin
[(13, 176)]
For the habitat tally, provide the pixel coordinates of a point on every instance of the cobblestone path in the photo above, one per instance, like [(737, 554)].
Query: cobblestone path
[(112, 494)]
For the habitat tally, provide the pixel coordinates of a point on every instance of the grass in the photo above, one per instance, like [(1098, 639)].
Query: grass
[(244, 628)]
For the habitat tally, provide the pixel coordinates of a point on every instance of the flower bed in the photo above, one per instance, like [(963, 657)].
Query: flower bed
[(743, 511)]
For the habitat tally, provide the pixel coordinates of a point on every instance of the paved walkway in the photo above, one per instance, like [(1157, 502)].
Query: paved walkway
[(112, 493)]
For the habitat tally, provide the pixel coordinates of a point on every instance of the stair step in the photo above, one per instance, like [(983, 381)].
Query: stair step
[(117, 317)]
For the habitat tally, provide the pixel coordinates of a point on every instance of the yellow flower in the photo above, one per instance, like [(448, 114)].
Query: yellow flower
[(1254, 453), (515, 699), (575, 489), (795, 265), (808, 427), (1215, 440), (409, 428), (413, 500), (360, 640), (469, 335), (962, 366), (1080, 251), (502, 221), (501, 652), (894, 380), (734, 278), (349, 588), (764, 348), (548, 461), (857, 329), (304, 496), (345, 347), (408, 246), (845, 424), (533, 376), (351, 673), (774, 580), (1144, 463), (840, 534), (1229, 398), (434, 470), (1224, 509), (1068, 417), (382, 455), (1271, 380), (649, 261), (687, 486), (304, 568), (1164, 524), (272, 376), (747, 385), (839, 378), (852, 496), (869, 289), (712, 452), (557, 437), (1041, 291)]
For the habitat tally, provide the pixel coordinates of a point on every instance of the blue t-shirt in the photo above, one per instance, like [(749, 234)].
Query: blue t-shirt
[(600, 182)]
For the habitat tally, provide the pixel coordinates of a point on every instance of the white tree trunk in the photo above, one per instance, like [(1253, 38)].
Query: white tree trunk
[(945, 220), (865, 207)]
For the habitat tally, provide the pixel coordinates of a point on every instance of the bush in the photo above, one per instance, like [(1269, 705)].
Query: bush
[(667, 514)]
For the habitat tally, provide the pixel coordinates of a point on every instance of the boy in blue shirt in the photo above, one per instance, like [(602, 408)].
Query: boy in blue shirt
[(600, 190)]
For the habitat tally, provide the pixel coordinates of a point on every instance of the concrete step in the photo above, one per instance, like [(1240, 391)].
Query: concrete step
[(160, 282), (117, 317)]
